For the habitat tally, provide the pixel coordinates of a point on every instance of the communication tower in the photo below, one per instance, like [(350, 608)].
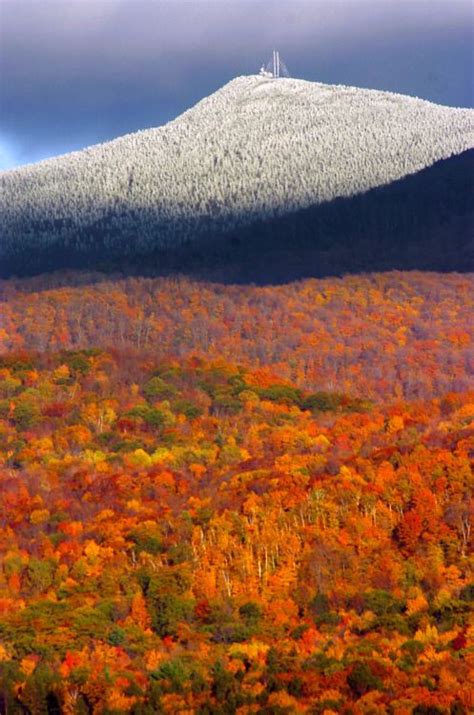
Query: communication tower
[(275, 68)]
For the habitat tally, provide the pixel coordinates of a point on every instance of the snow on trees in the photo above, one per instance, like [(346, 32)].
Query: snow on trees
[(254, 149)]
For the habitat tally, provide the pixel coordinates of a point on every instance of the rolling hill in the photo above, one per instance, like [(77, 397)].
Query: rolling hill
[(224, 498), (272, 172)]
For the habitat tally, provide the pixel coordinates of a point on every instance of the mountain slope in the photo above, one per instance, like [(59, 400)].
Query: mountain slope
[(378, 336), (255, 150)]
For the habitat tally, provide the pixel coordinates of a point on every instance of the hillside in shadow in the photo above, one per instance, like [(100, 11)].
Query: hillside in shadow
[(423, 221)]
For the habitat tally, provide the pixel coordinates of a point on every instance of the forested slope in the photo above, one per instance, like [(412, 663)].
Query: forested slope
[(251, 153), (188, 536), (224, 491), (380, 335)]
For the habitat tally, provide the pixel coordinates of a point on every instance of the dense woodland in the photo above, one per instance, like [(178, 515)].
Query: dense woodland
[(190, 536), (384, 336), (224, 499)]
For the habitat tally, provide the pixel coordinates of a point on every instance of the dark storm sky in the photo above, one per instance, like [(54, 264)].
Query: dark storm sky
[(76, 72)]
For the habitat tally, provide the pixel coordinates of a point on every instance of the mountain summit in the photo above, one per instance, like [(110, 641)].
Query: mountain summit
[(255, 151)]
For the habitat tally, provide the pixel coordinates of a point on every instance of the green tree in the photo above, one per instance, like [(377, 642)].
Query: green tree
[(41, 574)]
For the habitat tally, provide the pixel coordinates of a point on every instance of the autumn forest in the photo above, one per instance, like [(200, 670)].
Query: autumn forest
[(218, 501), (236, 362)]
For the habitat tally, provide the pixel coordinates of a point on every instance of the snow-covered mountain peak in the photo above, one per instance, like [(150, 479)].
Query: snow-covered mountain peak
[(256, 148)]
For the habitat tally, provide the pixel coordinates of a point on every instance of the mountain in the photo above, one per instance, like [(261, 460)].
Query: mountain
[(319, 173)]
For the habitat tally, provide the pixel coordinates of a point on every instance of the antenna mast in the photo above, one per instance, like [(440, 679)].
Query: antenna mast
[(276, 64), (276, 68)]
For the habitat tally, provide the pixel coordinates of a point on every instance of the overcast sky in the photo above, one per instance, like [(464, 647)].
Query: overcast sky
[(77, 72)]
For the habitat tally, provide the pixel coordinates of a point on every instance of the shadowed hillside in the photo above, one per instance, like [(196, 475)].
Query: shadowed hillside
[(423, 221)]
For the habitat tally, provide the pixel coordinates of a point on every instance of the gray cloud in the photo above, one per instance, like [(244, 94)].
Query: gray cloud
[(74, 72)]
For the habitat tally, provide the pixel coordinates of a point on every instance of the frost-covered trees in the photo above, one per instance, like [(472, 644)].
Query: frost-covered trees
[(254, 149)]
